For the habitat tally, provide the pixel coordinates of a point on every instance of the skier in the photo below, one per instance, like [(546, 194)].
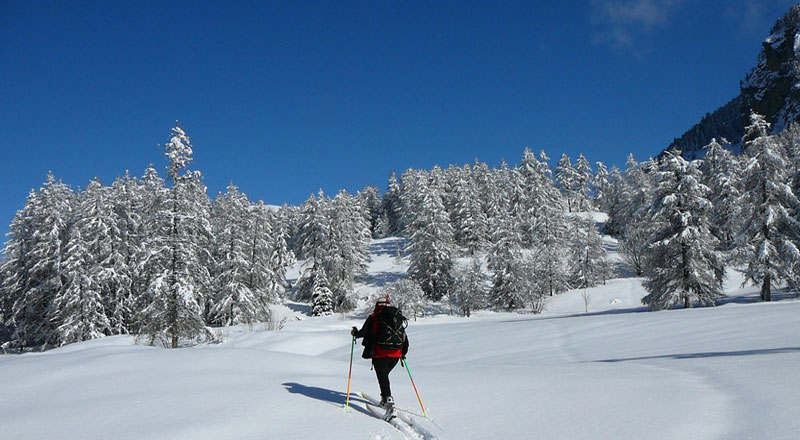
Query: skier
[(385, 342)]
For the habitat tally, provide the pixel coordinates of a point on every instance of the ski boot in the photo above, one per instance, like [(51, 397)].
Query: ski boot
[(388, 404)]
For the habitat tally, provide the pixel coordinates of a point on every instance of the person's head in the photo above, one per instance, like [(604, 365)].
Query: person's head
[(381, 303)]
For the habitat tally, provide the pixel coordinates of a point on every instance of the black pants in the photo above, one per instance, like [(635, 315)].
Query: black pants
[(383, 366)]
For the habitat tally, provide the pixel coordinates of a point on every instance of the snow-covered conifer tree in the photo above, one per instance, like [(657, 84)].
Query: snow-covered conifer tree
[(346, 261), (583, 184), (15, 265), (177, 251), (685, 265), (470, 224), (392, 205), (322, 297), (372, 207), (234, 300), (600, 182), (505, 258), (431, 245), (587, 255), (469, 291), (546, 229), (722, 176), (314, 237), (281, 257), (614, 200), (79, 311), (50, 221), (101, 236), (566, 181), (128, 199), (766, 240)]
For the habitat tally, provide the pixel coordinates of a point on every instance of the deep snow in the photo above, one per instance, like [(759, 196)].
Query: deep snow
[(618, 371)]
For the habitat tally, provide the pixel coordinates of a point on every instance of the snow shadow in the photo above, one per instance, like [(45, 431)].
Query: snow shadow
[(300, 308), (709, 354), (393, 247), (535, 317), (381, 279), (756, 298), (337, 398)]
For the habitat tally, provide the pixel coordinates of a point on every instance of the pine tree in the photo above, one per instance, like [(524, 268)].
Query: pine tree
[(280, 257), (177, 250), (766, 243), (102, 237), (15, 267), (469, 293), (587, 255), (582, 184), (322, 297), (721, 175), (350, 236), (372, 206), (470, 224), (128, 199), (50, 221), (79, 311), (504, 260), (686, 267), (567, 181), (601, 183), (614, 201), (392, 205), (431, 245), (234, 301), (547, 231), (314, 234)]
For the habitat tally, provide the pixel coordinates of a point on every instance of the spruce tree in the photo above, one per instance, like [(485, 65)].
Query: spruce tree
[(469, 292), (721, 174), (321, 297), (766, 240), (50, 219), (234, 300), (79, 311), (430, 247), (177, 251), (685, 265)]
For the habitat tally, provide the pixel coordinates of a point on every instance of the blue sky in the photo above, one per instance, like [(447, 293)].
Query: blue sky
[(285, 98)]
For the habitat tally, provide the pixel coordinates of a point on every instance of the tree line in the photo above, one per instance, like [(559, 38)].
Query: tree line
[(157, 257)]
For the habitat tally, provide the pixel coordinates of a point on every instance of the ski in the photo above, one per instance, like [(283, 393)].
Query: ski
[(400, 415), (407, 430)]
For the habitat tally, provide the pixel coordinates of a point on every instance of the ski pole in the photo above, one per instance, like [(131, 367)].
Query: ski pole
[(350, 375), (405, 363)]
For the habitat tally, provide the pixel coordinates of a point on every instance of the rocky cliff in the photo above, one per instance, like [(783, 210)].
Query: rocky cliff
[(772, 89)]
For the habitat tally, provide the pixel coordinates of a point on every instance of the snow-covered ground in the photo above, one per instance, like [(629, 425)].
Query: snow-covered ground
[(729, 372)]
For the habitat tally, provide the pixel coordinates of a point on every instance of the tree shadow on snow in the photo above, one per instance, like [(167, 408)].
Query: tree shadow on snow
[(756, 298), (337, 398), (393, 247), (710, 354), (381, 279), (577, 315), (300, 308)]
